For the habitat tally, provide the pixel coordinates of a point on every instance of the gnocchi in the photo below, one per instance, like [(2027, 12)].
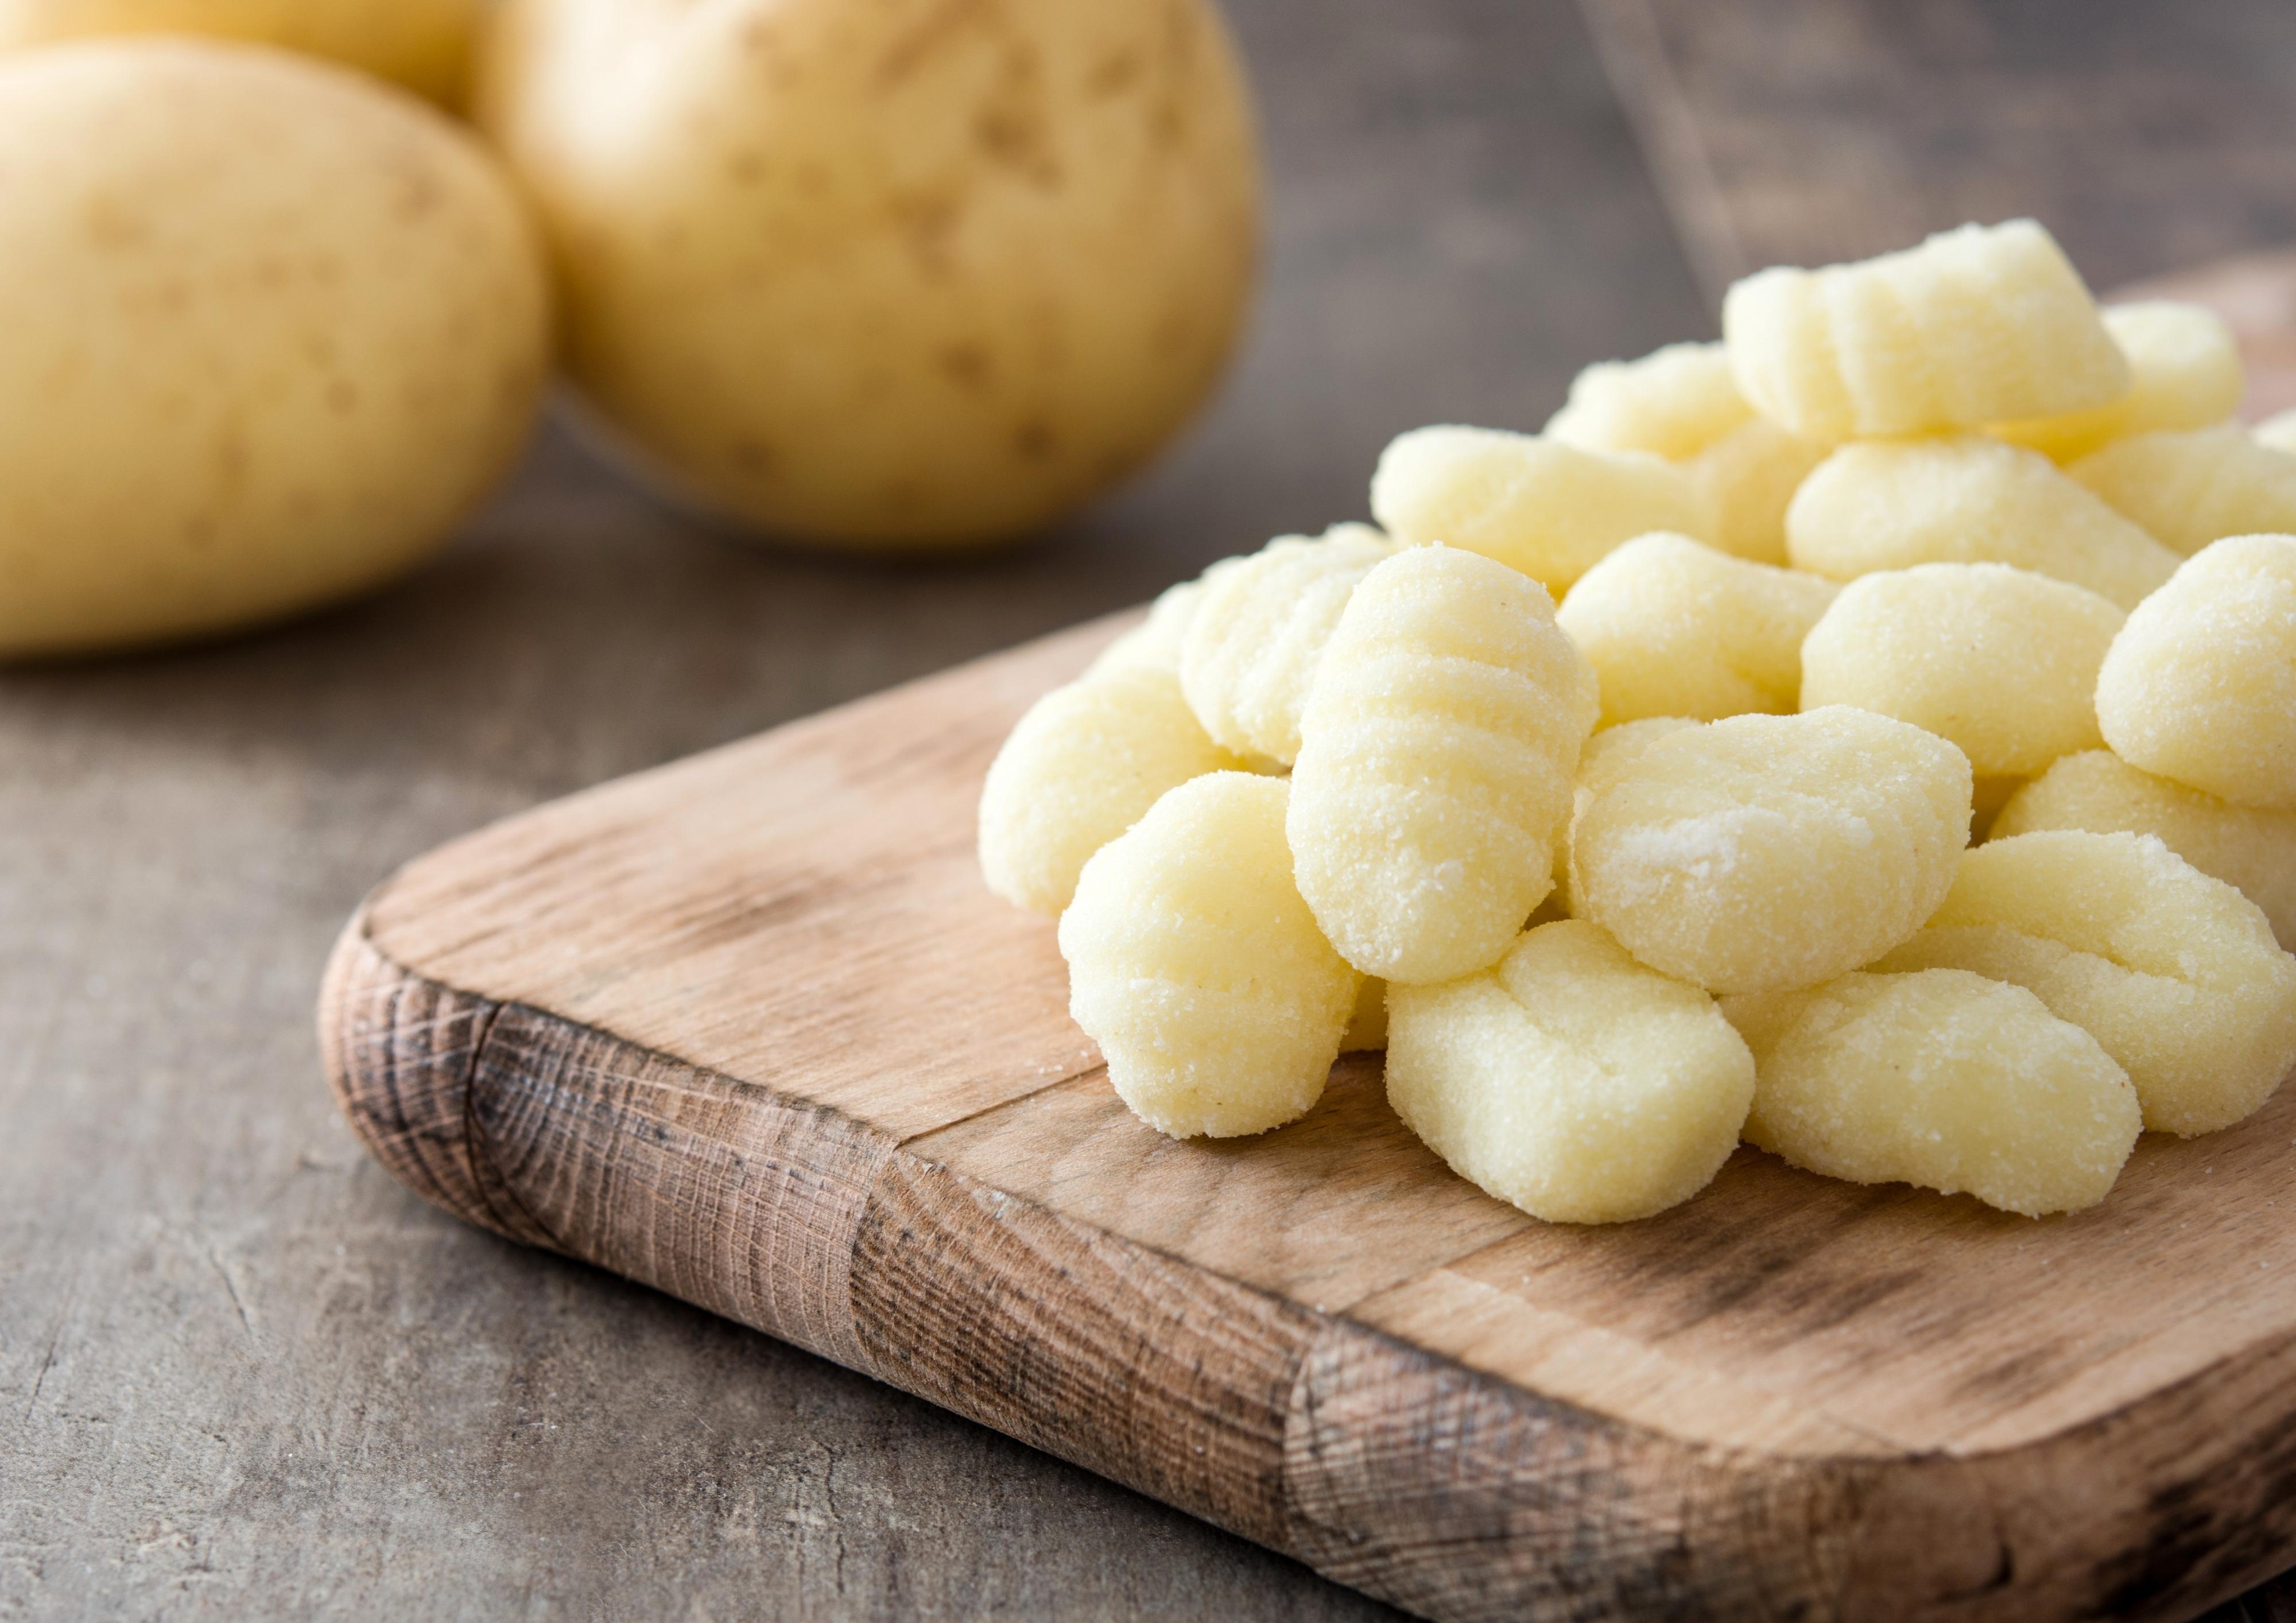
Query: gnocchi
[(1978, 324), (2001, 661), (1745, 481), (2201, 683), (1437, 753), (2254, 851), (2176, 975), (1548, 509), (2185, 372), (1251, 644), (1571, 1080), (1940, 1078), (1673, 403), (1673, 628), (1603, 754), (1889, 505), (1197, 968), (2188, 489), (1768, 852)]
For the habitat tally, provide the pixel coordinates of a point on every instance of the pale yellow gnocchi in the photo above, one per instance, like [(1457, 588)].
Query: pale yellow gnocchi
[(1548, 509), (2201, 683), (1571, 1080), (2253, 850), (2176, 975), (1765, 853), (1673, 403), (1943, 1079), (1889, 505), (1603, 754), (1674, 627), (1999, 660), (1257, 632), (2185, 372), (1197, 968), (1978, 324), (1437, 755), (1084, 765), (1746, 480), (2188, 489)]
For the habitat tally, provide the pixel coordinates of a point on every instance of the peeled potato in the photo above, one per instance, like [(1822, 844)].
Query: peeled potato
[(424, 45), (894, 275), (277, 328)]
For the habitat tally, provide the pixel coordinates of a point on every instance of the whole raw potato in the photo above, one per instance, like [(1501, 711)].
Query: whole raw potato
[(424, 45), (897, 274), (272, 329)]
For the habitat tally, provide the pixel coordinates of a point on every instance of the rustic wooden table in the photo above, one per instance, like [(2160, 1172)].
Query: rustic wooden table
[(244, 1375)]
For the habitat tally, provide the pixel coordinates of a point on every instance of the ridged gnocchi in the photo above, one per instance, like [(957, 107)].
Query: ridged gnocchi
[(1978, 324), (1673, 403), (1437, 754), (1889, 505), (1197, 968), (1768, 852), (2176, 975), (1257, 632), (1674, 627), (1603, 754), (2192, 489), (2001, 661), (2201, 683), (1943, 1079), (1084, 765), (1571, 1080), (2254, 851), (1548, 509), (2185, 372)]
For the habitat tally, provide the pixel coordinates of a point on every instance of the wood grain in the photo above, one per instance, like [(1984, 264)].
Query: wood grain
[(739, 1028)]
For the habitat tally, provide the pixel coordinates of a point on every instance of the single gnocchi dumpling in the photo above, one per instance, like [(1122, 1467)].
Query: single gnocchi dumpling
[(1548, 509), (2000, 660), (2254, 851), (1942, 1079), (2175, 974), (1978, 324), (1436, 759), (2201, 683), (1195, 964), (2192, 489), (1674, 627), (2185, 372), (1084, 764), (1768, 852), (1252, 643), (1673, 403), (1889, 505), (1569, 1080), (1745, 481)]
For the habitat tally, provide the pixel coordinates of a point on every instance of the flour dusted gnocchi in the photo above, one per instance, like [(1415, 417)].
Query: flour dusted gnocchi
[(1943, 1079), (1436, 759), (2185, 372), (1673, 403), (1604, 754), (2176, 975), (1083, 765), (1536, 504), (1673, 628), (2201, 683), (1768, 852), (2189, 489), (1745, 481), (1195, 964), (1889, 505), (1999, 660), (2254, 851), (1978, 324), (1568, 1079), (1251, 644)]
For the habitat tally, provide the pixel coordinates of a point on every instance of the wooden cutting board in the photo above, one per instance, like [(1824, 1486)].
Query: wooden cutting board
[(748, 1029)]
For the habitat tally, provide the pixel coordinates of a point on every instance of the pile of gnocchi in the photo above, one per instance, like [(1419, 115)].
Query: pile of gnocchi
[(1928, 547)]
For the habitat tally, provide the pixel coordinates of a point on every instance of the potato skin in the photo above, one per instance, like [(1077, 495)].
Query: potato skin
[(899, 275), (274, 329), (423, 44)]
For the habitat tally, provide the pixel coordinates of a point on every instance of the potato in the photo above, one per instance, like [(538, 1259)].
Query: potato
[(424, 45), (273, 329), (896, 275)]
